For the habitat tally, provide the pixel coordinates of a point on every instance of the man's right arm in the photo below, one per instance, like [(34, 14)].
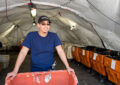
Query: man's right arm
[(19, 61)]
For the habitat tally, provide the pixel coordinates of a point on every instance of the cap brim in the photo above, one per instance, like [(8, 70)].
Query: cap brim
[(45, 20)]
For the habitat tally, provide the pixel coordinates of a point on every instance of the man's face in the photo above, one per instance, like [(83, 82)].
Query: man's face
[(44, 26)]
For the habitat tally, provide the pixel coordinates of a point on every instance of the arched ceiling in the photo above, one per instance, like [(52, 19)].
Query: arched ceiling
[(97, 21)]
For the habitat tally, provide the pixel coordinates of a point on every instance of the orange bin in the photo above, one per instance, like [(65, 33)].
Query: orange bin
[(75, 53), (108, 61), (60, 77), (100, 68), (98, 63), (85, 57), (113, 74)]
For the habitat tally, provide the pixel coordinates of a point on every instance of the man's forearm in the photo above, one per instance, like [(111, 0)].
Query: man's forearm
[(20, 59), (62, 56)]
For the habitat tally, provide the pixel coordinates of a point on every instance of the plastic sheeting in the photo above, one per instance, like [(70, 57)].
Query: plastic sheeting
[(68, 48), (97, 21)]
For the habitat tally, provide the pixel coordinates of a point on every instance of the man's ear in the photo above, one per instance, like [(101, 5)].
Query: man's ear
[(38, 24)]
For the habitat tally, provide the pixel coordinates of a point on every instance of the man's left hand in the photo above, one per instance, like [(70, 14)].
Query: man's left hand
[(70, 70)]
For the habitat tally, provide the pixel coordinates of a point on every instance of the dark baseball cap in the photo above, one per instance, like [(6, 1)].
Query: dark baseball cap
[(43, 18)]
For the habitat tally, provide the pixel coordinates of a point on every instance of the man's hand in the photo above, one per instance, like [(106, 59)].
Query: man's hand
[(11, 75), (69, 69)]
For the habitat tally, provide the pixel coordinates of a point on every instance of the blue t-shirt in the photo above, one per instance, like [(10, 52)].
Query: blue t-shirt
[(42, 48)]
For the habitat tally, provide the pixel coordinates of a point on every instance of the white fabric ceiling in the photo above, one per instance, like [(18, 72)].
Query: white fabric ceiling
[(97, 21)]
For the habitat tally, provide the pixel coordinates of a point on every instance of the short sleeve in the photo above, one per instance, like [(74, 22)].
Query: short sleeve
[(27, 41), (57, 40)]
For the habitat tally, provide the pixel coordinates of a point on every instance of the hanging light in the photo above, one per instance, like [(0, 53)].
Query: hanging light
[(32, 8), (73, 25), (33, 12), (7, 31), (34, 23)]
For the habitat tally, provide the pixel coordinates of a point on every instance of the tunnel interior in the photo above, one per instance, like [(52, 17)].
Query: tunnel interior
[(91, 25), (83, 26)]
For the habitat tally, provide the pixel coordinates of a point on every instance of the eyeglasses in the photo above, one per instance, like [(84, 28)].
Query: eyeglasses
[(45, 24)]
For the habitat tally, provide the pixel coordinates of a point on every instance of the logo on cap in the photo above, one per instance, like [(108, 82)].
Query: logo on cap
[(42, 18)]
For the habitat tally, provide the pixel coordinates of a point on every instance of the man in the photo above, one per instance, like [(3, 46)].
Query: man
[(42, 44)]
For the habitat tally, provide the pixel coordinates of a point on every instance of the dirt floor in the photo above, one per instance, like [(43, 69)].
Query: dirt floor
[(83, 75)]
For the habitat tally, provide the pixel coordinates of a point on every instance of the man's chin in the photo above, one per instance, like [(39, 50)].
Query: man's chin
[(45, 32)]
